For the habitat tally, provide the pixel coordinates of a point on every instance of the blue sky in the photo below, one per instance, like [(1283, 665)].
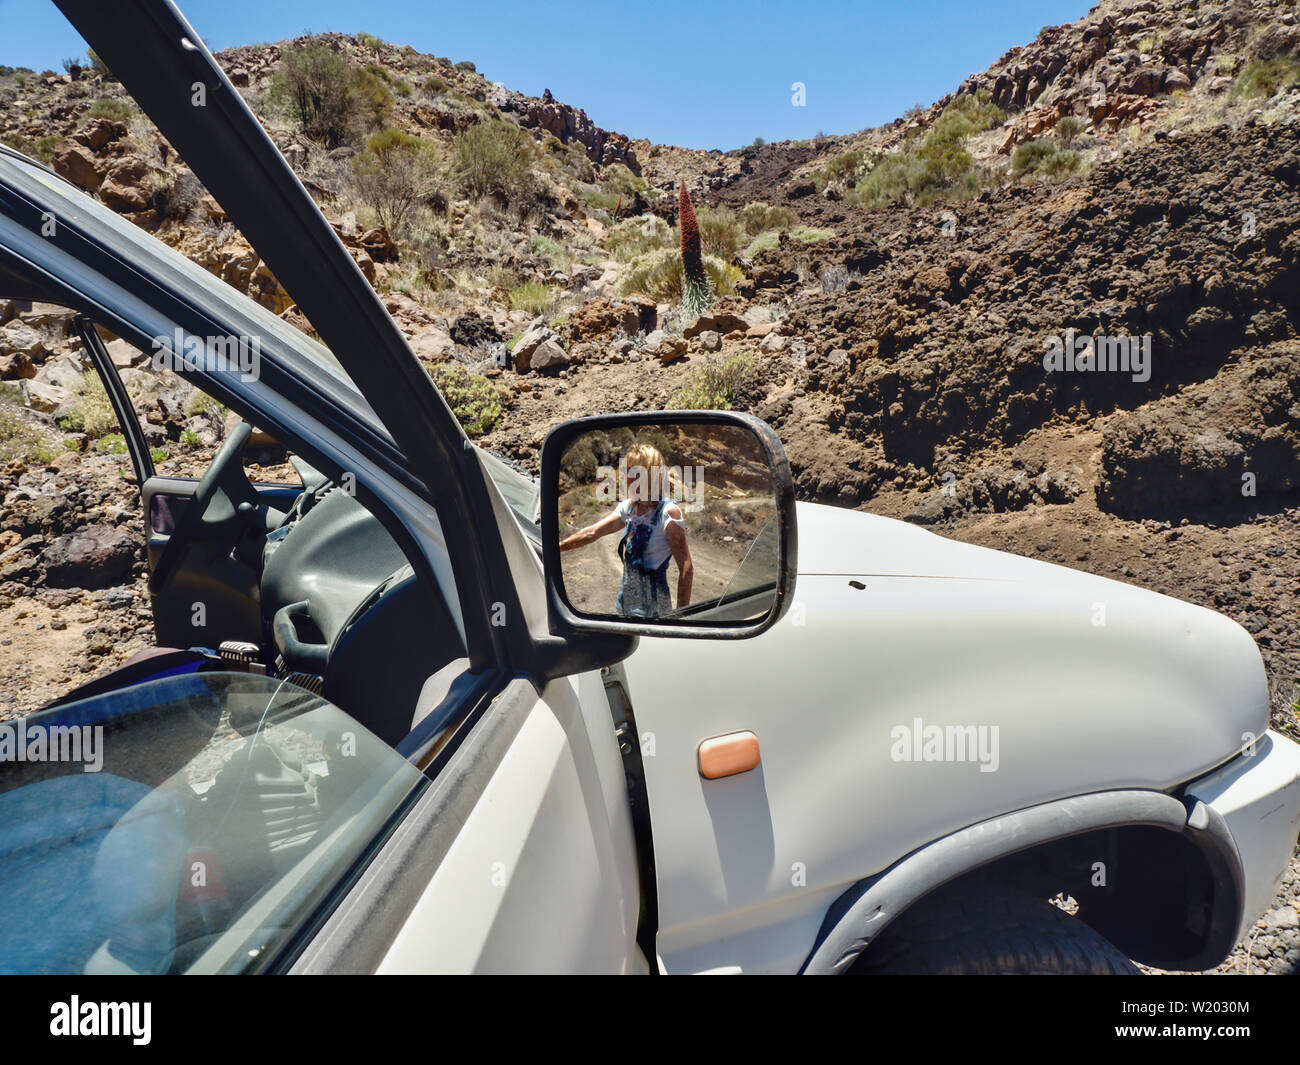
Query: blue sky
[(702, 74)]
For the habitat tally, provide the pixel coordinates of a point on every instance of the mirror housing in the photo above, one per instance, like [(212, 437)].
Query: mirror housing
[(769, 558)]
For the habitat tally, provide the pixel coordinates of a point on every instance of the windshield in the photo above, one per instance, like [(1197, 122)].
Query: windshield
[(519, 490), (188, 824)]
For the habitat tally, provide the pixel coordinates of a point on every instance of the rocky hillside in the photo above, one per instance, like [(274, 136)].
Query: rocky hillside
[(886, 296), (1127, 185)]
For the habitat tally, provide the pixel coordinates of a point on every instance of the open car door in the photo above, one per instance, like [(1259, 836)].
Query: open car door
[(520, 788)]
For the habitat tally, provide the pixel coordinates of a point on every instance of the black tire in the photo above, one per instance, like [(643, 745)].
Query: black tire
[(986, 930)]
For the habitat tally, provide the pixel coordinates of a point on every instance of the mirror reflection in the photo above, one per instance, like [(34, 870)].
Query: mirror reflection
[(670, 521)]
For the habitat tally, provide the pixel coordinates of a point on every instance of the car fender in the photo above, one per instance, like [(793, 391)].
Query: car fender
[(868, 907)]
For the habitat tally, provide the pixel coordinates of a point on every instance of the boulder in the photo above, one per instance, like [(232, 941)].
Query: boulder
[(126, 186), (17, 366), (212, 209), (549, 356), (537, 334), (98, 133), (1176, 80), (18, 338), (470, 330), (709, 340), (65, 373), (364, 261), (95, 557), (379, 245), (722, 322), (664, 347), (124, 354), (77, 163), (432, 346), (601, 318), (47, 398)]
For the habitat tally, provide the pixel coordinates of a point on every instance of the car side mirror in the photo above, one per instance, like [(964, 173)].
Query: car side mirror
[(667, 523)]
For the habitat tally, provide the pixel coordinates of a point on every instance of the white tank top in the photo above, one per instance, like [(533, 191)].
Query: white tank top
[(658, 549)]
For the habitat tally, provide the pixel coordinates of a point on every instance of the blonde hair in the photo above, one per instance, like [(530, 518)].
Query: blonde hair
[(650, 459)]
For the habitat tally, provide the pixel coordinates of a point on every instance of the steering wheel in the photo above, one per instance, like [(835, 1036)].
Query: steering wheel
[(215, 510)]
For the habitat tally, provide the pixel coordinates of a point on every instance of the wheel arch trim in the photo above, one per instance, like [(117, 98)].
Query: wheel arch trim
[(867, 907)]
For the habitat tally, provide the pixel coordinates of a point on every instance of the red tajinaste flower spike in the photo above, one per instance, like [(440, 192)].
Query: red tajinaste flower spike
[(691, 258), (697, 293)]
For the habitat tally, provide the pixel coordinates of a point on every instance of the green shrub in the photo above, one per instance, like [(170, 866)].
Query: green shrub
[(721, 233), (1068, 129), (532, 296), (112, 444), (369, 40), (1266, 77), (42, 150), (810, 234), (91, 412), (371, 95), (978, 109), (763, 242), (759, 217), (718, 384), (467, 66), (951, 127), (1043, 157), (658, 275), (478, 402), (601, 199), (395, 173), (619, 180), (113, 109), (572, 158), (19, 439), (637, 235), (493, 159), (844, 167), (331, 100), (545, 248), (934, 166), (189, 438)]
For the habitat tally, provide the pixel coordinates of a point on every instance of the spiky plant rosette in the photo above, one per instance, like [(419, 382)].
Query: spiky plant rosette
[(697, 293)]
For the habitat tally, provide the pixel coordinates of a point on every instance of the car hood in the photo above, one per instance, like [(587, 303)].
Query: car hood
[(833, 540), (1047, 612)]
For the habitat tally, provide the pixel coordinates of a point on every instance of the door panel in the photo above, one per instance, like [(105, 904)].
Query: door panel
[(541, 876), (163, 500), (212, 597)]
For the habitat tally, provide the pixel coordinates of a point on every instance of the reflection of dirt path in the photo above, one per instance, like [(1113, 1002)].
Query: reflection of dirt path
[(592, 574)]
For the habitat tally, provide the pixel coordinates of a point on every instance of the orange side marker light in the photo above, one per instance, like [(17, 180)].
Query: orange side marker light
[(725, 756)]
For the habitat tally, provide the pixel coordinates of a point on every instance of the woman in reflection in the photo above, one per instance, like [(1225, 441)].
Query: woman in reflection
[(654, 533)]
